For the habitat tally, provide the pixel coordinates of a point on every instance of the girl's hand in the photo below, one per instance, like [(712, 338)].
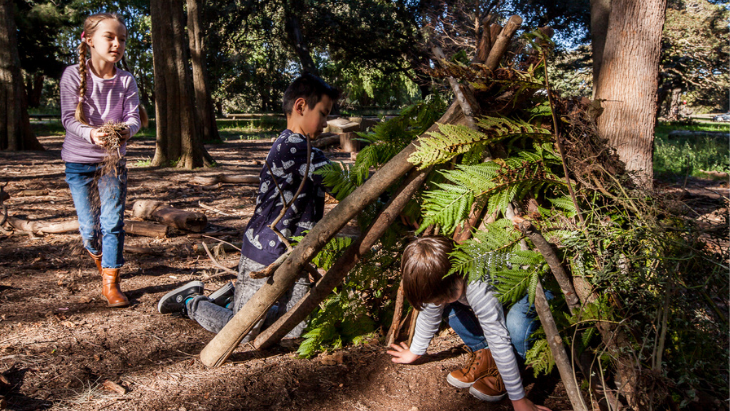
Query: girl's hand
[(124, 135), (96, 137), (402, 354), (524, 404)]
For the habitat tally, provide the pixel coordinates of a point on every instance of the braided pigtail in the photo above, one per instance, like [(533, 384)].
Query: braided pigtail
[(80, 116)]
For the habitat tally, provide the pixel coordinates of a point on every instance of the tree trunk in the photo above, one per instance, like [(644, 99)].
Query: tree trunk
[(34, 88), (203, 100), (628, 80), (15, 131), (600, 11), (674, 104), (297, 41), (178, 132)]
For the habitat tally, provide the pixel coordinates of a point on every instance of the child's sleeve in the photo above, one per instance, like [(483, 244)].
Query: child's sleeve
[(427, 323), (488, 310), (131, 107), (69, 100)]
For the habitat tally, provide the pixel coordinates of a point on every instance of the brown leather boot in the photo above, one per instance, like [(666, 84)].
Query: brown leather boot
[(479, 365), (489, 388), (110, 288), (97, 260)]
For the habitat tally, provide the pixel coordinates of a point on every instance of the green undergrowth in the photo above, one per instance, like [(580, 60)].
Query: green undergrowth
[(681, 156)]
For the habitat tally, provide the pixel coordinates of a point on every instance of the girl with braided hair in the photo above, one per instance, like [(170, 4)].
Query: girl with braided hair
[(92, 94)]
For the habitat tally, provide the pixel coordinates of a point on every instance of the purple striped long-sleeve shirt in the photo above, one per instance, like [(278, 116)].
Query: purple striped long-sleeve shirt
[(115, 99)]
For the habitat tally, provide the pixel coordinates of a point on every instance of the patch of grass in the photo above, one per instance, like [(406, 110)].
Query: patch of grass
[(250, 129), (687, 155), (48, 127), (143, 163)]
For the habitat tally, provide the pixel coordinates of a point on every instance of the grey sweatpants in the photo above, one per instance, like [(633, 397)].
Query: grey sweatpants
[(214, 317)]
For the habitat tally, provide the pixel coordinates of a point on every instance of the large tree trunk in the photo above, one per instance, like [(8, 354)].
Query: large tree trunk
[(203, 101), (15, 131), (628, 80), (178, 132)]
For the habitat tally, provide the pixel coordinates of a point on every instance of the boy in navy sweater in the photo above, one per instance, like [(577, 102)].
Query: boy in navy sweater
[(307, 103)]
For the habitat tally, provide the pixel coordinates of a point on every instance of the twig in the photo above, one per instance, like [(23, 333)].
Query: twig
[(268, 271), (224, 242), (207, 207), (217, 264)]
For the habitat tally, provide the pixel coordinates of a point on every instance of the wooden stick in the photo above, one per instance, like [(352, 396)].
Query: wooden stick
[(207, 207), (566, 285), (344, 264), (558, 349), (225, 178), (397, 314), (216, 263), (502, 42), (466, 107)]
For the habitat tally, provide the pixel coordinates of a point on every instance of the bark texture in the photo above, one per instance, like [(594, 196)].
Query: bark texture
[(628, 81), (178, 132), (203, 102), (15, 131)]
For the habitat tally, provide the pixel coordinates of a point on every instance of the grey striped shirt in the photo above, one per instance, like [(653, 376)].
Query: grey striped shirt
[(115, 98), (480, 296)]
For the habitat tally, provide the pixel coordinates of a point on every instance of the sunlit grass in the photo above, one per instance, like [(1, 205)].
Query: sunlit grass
[(686, 155)]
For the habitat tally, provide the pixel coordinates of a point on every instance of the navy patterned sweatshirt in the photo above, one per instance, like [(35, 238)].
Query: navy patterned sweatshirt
[(288, 160)]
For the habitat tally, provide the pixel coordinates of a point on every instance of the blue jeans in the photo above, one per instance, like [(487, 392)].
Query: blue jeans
[(522, 321), (99, 202)]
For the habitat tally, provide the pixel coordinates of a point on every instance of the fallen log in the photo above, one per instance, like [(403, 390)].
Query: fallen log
[(32, 193), (326, 139), (145, 229), (141, 228), (157, 211), (225, 178), (43, 227), (141, 250)]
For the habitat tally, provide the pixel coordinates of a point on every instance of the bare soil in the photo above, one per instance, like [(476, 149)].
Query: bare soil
[(60, 343)]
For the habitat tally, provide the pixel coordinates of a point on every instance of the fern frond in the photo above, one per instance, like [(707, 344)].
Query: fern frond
[(540, 357)]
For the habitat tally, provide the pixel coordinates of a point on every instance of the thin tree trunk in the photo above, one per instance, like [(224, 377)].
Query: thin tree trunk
[(178, 132), (297, 41), (628, 80), (203, 100), (600, 11), (674, 104), (15, 131)]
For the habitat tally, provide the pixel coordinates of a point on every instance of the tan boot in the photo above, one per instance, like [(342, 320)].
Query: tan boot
[(110, 288), (480, 364), (97, 260)]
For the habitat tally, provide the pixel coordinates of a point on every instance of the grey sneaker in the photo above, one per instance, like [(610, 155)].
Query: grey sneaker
[(224, 295), (174, 301)]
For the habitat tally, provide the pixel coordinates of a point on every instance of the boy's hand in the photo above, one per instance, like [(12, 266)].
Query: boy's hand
[(524, 404), (402, 354)]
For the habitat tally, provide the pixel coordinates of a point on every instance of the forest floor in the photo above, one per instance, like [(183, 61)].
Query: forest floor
[(61, 347)]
